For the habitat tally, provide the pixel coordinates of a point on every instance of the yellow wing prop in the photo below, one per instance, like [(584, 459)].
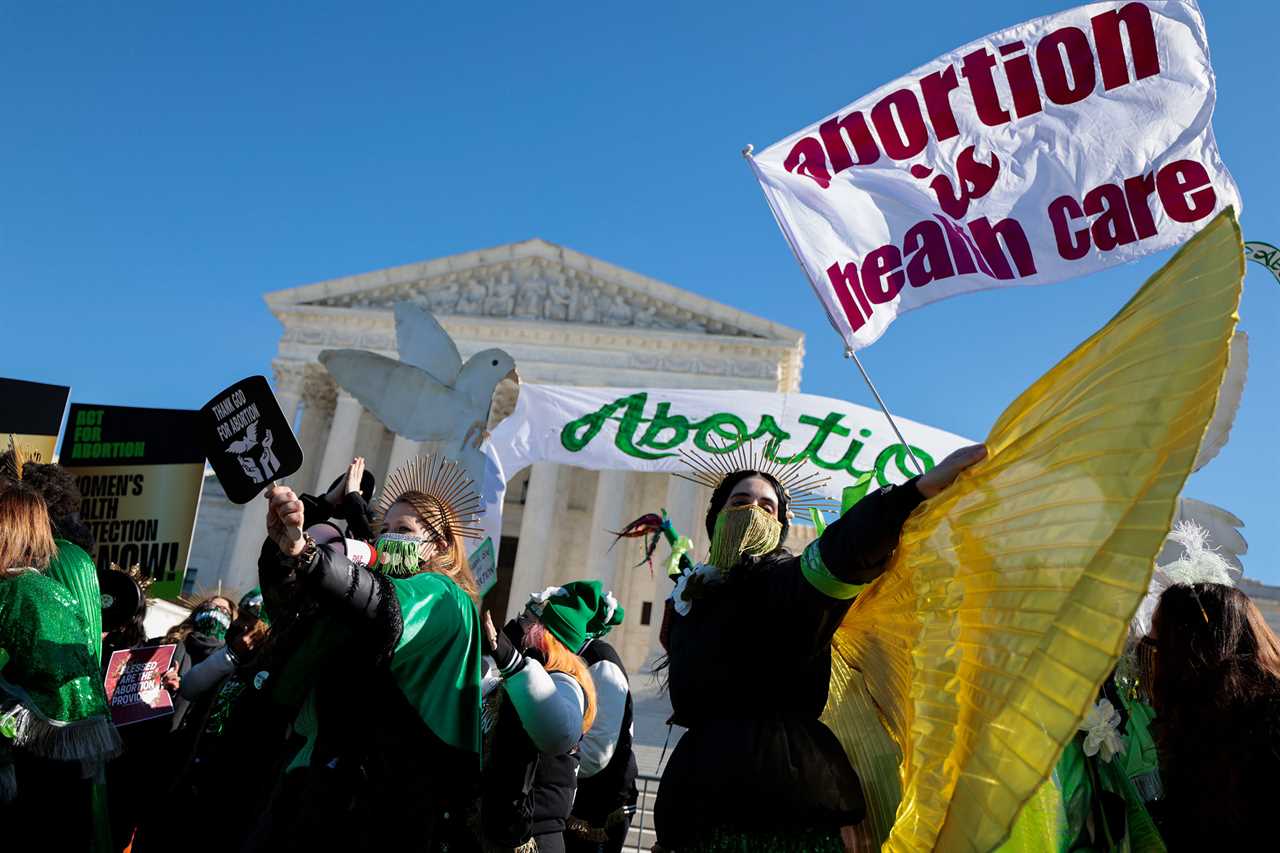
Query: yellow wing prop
[(1010, 596)]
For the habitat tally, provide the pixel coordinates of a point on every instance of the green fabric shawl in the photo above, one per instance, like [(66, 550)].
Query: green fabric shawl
[(437, 661)]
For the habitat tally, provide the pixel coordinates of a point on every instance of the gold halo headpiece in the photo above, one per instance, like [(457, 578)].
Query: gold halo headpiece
[(134, 573), (444, 481), (799, 481), (18, 458)]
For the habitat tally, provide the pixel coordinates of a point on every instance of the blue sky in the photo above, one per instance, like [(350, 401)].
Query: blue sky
[(163, 166)]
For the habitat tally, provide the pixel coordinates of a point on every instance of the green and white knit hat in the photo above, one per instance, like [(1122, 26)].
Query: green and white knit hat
[(577, 612)]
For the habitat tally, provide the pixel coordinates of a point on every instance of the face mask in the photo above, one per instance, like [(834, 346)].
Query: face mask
[(212, 621), (399, 555), (746, 531)]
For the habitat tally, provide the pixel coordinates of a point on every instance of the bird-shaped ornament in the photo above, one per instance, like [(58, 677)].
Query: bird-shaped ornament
[(429, 394)]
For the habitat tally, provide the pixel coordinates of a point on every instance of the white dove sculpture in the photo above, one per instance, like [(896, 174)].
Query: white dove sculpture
[(429, 394)]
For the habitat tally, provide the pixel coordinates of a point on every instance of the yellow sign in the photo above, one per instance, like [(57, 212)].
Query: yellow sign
[(139, 476)]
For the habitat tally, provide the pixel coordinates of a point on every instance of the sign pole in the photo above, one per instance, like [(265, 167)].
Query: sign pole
[(848, 352)]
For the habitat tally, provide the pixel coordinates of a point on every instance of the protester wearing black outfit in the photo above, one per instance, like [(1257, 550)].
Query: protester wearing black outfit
[(607, 795), (749, 662), (546, 702), (382, 671)]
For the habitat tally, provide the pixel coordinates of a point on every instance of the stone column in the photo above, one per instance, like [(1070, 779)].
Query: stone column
[(318, 397), (289, 391), (341, 444), (402, 450), (241, 574), (606, 514), (537, 534)]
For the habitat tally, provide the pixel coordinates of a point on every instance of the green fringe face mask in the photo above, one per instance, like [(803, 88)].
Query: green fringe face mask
[(399, 555), (744, 531), (211, 621)]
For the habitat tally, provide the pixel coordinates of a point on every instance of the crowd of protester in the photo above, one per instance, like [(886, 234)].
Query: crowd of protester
[(361, 699), (329, 707)]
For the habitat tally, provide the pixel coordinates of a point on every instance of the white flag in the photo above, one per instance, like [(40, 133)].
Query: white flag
[(1046, 151)]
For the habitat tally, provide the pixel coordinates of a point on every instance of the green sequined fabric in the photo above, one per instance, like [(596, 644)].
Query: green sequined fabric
[(74, 568), (43, 628)]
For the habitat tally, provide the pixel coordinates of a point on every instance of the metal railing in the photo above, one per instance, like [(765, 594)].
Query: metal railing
[(643, 820)]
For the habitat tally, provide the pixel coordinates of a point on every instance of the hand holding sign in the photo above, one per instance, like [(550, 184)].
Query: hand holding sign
[(135, 686), (284, 516)]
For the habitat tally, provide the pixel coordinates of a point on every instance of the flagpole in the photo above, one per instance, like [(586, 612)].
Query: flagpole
[(848, 352)]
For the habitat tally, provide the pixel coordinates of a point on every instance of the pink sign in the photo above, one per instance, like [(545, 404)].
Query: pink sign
[(134, 691)]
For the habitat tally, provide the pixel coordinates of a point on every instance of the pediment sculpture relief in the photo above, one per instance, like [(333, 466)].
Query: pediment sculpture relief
[(535, 289)]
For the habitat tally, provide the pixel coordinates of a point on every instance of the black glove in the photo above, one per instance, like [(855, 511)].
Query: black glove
[(506, 654), (515, 633)]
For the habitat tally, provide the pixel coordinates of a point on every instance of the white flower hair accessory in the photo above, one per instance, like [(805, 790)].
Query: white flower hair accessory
[(538, 600), (610, 607), (1102, 728), (700, 573)]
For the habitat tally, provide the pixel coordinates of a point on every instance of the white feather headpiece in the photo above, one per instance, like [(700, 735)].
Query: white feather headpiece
[(1200, 563)]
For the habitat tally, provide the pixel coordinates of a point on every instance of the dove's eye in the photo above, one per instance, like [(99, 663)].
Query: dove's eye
[(495, 362)]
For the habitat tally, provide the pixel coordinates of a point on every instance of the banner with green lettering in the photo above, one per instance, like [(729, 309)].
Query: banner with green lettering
[(140, 473), (645, 430)]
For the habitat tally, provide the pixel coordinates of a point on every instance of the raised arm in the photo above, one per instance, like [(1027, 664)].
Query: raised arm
[(293, 568), (855, 549), (551, 706)]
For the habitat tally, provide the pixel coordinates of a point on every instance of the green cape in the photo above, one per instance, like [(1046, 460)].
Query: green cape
[(437, 661)]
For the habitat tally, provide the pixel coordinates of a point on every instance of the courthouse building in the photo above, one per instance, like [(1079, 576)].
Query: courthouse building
[(567, 319)]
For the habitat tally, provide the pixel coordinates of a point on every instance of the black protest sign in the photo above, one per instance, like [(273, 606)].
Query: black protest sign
[(247, 439), (31, 412)]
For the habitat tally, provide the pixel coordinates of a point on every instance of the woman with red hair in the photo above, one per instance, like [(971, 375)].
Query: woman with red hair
[(546, 703)]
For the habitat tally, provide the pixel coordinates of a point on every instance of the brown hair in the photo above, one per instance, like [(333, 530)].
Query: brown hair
[(452, 562), (560, 659), (26, 540), (61, 496), (1215, 687), (1213, 650)]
